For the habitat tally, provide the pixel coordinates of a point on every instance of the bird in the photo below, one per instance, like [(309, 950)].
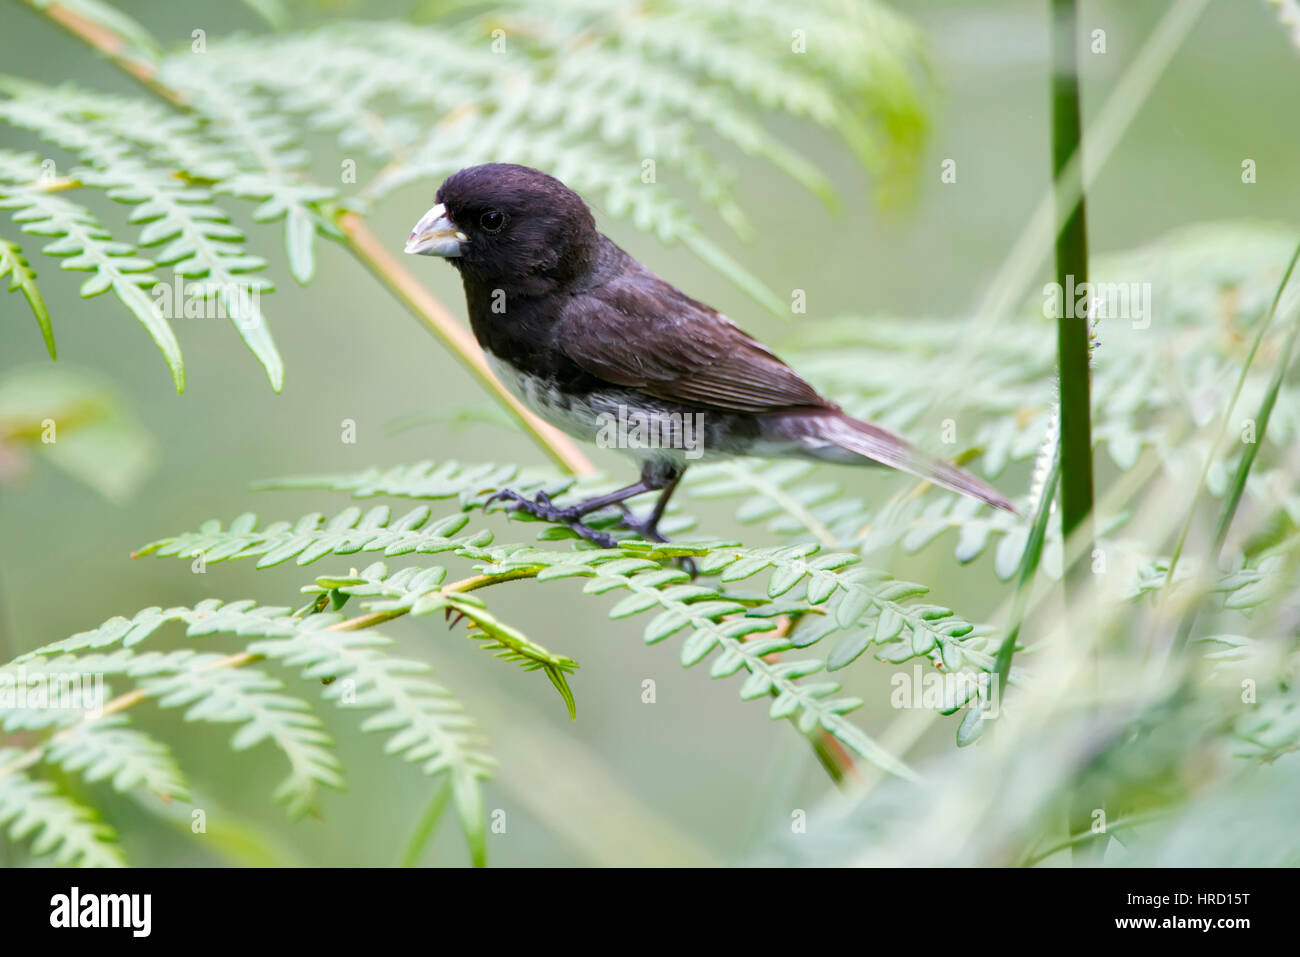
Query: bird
[(599, 346)]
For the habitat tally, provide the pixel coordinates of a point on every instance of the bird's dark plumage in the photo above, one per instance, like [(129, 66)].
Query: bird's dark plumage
[(580, 330)]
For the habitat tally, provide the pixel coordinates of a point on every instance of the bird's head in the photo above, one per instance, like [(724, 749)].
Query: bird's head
[(508, 225)]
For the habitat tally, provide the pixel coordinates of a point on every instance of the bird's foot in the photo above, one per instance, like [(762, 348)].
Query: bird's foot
[(542, 507)]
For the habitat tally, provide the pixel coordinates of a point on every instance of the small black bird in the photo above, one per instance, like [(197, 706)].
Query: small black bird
[(604, 349)]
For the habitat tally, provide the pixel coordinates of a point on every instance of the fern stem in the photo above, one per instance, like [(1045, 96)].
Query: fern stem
[(368, 620), (361, 242), (108, 43), (373, 618)]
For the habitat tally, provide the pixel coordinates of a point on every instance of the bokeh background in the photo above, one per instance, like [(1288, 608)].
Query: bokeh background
[(699, 776)]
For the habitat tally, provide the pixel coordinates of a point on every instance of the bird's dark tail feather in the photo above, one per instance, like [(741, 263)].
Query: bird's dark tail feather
[(836, 437)]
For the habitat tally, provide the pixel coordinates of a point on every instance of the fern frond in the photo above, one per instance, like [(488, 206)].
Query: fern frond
[(427, 101), (375, 530), (742, 643), (213, 691), (425, 722), (263, 148), (84, 244), (313, 537), (213, 687), (23, 278), (871, 605), (202, 244), (864, 55), (126, 632), (56, 825), (715, 621), (128, 759), (419, 591), (564, 103), (662, 91)]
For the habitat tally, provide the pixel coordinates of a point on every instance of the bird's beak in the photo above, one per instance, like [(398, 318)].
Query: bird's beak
[(436, 235)]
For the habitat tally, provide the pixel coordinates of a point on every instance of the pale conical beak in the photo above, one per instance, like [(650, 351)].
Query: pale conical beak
[(436, 235)]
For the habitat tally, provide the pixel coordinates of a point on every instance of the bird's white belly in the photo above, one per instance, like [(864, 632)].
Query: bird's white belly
[(606, 419)]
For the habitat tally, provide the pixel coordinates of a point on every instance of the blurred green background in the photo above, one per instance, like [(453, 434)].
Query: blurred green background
[(697, 776)]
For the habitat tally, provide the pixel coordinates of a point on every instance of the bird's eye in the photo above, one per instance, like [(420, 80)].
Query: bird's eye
[(493, 221)]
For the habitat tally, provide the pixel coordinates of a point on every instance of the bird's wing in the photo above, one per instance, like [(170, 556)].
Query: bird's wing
[(639, 331)]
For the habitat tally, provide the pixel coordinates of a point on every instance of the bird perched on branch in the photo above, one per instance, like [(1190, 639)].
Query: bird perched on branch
[(601, 347)]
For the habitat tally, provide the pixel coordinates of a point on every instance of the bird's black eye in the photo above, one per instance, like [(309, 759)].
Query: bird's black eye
[(493, 221)]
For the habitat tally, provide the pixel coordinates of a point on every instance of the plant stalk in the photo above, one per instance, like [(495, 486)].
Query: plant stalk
[(1071, 261), (1072, 335)]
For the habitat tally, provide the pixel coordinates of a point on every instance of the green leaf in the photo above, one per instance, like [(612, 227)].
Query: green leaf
[(54, 824), (23, 278)]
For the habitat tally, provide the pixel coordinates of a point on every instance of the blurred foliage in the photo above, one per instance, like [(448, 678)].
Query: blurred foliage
[(75, 422)]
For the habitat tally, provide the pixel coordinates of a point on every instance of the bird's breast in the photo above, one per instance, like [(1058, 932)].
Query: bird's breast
[(578, 414)]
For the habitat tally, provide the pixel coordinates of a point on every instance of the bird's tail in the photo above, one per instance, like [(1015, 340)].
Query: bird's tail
[(833, 436)]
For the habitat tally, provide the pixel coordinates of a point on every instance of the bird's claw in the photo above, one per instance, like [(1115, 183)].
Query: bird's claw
[(541, 507)]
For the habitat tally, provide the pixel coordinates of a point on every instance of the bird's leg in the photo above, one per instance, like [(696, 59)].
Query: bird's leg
[(571, 515), (648, 527), (655, 476)]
